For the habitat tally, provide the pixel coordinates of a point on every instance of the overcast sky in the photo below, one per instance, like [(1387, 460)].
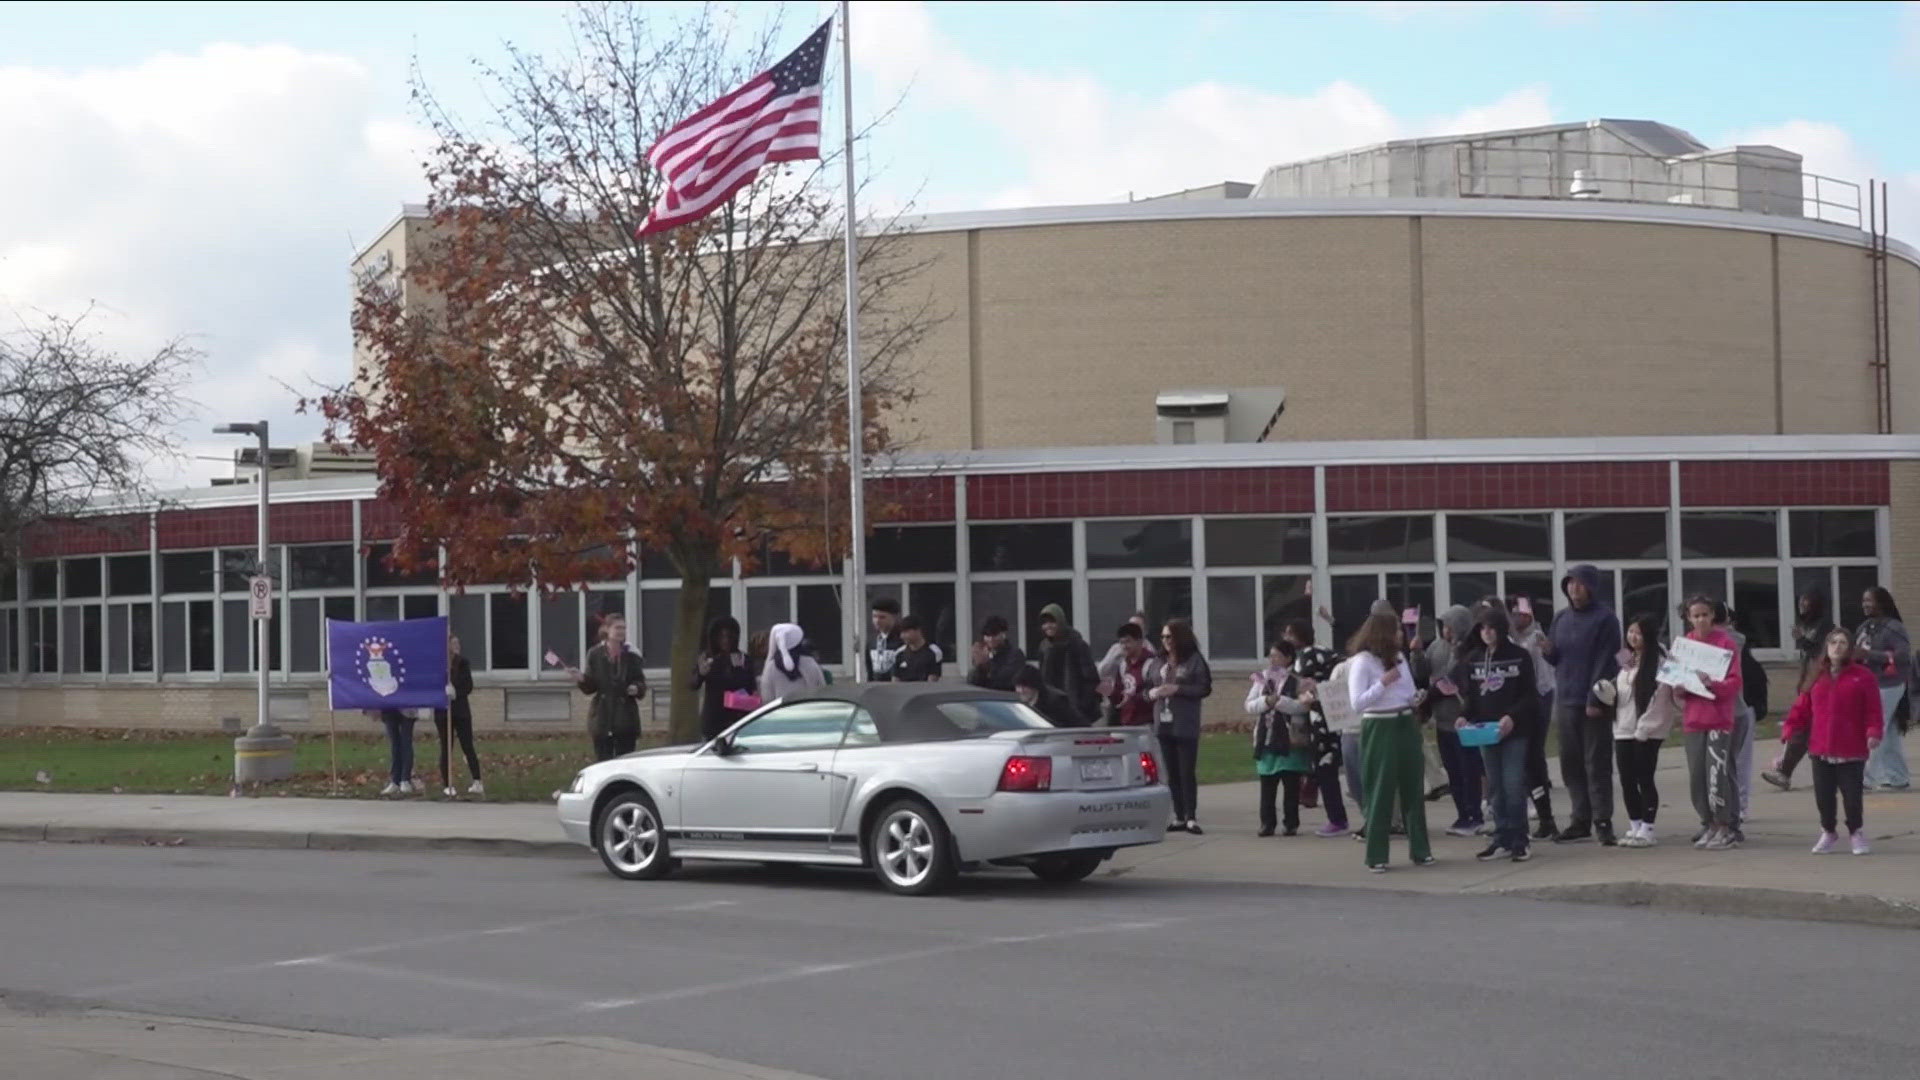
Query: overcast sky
[(210, 169)]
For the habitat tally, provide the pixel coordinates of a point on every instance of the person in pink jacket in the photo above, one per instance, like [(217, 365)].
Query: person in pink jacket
[(1708, 725), (1839, 716)]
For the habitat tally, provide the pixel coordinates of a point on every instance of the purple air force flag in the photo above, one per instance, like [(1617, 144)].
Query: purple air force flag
[(387, 665)]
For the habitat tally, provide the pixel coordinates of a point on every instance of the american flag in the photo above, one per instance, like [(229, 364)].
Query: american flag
[(775, 116)]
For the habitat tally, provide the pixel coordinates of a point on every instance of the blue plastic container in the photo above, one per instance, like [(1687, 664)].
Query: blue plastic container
[(1480, 735)]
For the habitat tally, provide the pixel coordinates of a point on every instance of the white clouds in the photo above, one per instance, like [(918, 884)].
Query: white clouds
[(1080, 140), (1827, 150), (212, 195)]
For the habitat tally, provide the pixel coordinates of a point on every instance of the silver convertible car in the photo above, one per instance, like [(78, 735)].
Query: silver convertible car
[(917, 781)]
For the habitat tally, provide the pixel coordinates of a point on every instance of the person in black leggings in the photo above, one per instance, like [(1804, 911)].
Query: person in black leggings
[(1179, 684), (460, 705)]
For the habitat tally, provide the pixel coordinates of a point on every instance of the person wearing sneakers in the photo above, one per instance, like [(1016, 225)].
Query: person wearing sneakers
[(1283, 749), (460, 713), (1644, 711), (1585, 650), (1810, 629), (1708, 723), (1839, 715), (1465, 774), (1494, 679), (1380, 686), (1528, 635)]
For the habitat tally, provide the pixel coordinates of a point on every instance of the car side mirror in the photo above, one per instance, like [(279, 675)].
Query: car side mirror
[(723, 746)]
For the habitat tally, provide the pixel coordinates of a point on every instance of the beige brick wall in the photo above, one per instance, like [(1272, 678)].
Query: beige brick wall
[(1903, 283), (1904, 510), (943, 417), (1826, 337), (1653, 329)]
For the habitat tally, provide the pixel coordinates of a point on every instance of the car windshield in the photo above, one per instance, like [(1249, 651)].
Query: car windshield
[(930, 721)]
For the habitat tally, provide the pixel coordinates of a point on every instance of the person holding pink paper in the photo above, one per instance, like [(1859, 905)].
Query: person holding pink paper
[(723, 677)]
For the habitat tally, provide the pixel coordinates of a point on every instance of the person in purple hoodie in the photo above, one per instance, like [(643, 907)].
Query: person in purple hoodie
[(1585, 650)]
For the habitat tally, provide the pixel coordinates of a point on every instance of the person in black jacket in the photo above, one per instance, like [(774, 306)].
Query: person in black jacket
[(722, 669), (996, 661), (1067, 663), (1045, 700), (1495, 681), (460, 704)]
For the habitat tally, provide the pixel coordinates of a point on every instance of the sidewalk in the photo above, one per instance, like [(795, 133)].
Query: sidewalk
[(100, 1045), (1773, 875)]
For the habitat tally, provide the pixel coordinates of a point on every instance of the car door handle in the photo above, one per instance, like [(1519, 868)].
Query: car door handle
[(805, 767)]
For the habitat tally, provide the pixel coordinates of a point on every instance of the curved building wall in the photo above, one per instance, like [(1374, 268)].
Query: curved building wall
[(1454, 318)]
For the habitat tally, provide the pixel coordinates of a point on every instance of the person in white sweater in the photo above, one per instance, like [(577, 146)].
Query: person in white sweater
[(1380, 686), (1644, 711), (788, 669)]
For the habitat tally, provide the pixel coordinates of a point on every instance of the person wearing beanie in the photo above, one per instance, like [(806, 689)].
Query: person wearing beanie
[(1585, 650), (1066, 663), (1465, 772)]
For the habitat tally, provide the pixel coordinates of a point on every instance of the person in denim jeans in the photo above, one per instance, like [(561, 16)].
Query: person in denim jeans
[(399, 725), (1495, 681)]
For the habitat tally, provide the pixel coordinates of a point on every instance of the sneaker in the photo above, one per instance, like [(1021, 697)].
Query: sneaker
[(1360, 835), (1522, 856), (1736, 837), (449, 792), (1777, 779), (1860, 846), (1603, 832), (1177, 826), (1290, 831), (1425, 860), (1493, 852), (390, 789), (1574, 834), (406, 787), (1485, 828), (476, 788), (1700, 838), (1721, 840), (1461, 828), (1376, 868), (1329, 831), (1194, 828), (1647, 839), (1438, 793), (1264, 833), (1827, 842), (1547, 830)]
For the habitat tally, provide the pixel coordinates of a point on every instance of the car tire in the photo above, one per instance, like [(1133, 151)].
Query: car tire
[(630, 839), (1064, 869), (911, 850)]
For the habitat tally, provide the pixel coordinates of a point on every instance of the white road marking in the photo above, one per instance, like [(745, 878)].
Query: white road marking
[(453, 982)]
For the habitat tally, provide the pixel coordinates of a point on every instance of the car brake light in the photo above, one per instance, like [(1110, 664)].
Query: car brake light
[(1027, 774), (1149, 768)]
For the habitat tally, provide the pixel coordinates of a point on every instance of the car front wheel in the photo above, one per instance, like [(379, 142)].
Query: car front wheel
[(631, 842), (911, 851), (1064, 869)]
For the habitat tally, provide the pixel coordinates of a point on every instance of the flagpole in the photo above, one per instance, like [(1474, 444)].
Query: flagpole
[(856, 602)]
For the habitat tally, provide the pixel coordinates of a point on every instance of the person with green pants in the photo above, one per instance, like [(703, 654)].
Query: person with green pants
[(1391, 759)]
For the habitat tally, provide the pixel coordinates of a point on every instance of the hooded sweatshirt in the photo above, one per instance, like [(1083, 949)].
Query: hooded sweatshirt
[(1586, 644), (789, 667), (1441, 655), (1499, 682), (1714, 713), (1066, 663)]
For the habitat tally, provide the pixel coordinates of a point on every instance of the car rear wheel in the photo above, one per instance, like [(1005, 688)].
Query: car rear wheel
[(911, 851), (630, 840), (1064, 869)]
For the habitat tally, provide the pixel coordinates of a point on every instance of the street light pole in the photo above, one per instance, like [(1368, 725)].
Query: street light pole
[(264, 631), (262, 753)]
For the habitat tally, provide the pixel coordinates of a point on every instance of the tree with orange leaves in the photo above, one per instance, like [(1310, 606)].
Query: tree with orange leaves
[(544, 393)]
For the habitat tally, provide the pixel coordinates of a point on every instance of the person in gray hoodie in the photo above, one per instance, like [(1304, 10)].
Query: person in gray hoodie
[(1466, 773), (1585, 650)]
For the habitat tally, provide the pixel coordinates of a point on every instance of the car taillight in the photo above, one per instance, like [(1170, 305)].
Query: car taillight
[(1149, 768), (1027, 774)]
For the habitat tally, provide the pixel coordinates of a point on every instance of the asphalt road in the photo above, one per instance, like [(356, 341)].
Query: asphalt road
[(824, 974)]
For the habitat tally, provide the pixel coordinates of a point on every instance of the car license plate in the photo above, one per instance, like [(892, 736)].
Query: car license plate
[(1099, 770)]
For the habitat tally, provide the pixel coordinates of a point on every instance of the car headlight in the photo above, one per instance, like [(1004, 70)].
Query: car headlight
[(579, 783)]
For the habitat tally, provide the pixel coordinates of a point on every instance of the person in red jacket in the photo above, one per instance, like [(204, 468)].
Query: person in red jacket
[(1839, 716), (1708, 724)]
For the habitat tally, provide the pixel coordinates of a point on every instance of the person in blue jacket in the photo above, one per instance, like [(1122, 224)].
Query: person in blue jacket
[(1585, 650)]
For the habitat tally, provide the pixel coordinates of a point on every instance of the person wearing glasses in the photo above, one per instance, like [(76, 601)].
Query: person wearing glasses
[(1179, 685)]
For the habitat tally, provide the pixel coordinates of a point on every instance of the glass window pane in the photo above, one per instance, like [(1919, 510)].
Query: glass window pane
[(657, 565), (991, 598), (768, 605), (173, 638), (1854, 582), (774, 562), (560, 626), (83, 577), (235, 648), (69, 640), (1260, 541), (819, 618), (596, 606), (9, 585), (1231, 618), (1166, 598), (1644, 592), (1597, 537), (1412, 591), (1729, 534), (1469, 589), (1040, 593), (911, 549), (1832, 534), (1284, 598), (507, 629), (1499, 537), (141, 636), (381, 575), (1353, 597), (659, 612), (337, 609), (1382, 539), (467, 616), (1021, 547), (308, 632), (186, 572), (1542, 591), (238, 565), (321, 566), (1710, 583), (1110, 602), (932, 602), (200, 635), (43, 580), (419, 606), (117, 660), (383, 608), (92, 656), (1118, 545), (803, 725), (1756, 605), (129, 575)]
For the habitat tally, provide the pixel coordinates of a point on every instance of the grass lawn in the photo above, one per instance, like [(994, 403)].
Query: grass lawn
[(517, 768)]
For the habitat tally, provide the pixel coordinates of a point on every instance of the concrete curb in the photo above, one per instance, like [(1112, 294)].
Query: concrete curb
[(1740, 901), (266, 839)]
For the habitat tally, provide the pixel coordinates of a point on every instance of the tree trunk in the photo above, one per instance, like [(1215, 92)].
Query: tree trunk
[(689, 636)]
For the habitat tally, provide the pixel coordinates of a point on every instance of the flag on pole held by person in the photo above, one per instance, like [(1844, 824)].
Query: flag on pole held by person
[(708, 157), (387, 665)]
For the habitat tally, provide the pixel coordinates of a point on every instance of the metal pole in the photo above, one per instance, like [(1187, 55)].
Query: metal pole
[(856, 418), (263, 631)]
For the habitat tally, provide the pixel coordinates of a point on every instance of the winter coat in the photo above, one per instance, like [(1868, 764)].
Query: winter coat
[(726, 672), (1441, 657), (1714, 713), (609, 677), (1838, 714), (1586, 644), (776, 684), (1880, 637), (1283, 729), (1000, 670), (1058, 710), (1629, 723), (1192, 680), (1066, 664), (460, 676)]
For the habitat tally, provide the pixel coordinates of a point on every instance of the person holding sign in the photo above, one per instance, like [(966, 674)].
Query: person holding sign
[(616, 680), (1495, 681), (1701, 667)]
